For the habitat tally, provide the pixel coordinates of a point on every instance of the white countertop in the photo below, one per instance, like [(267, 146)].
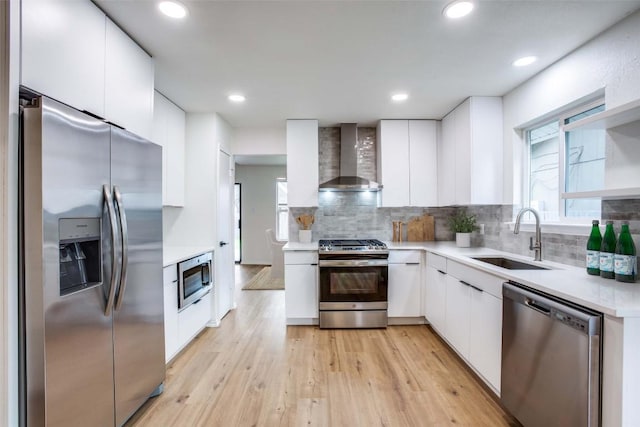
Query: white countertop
[(564, 281), (297, 246), (175, 254)]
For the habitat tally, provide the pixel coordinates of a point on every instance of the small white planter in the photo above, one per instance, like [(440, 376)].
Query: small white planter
[(304, 236), (463, 240)]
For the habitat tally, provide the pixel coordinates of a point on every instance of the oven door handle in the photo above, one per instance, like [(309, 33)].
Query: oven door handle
[(354, 263)]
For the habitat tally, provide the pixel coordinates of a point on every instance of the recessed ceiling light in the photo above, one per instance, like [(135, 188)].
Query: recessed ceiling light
[(458, 9), (524, 61), (173, 9), (237, 98), (399, 97)]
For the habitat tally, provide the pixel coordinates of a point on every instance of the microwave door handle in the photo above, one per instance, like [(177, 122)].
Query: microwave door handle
[(125, 246), (206, 273), (114, 248)]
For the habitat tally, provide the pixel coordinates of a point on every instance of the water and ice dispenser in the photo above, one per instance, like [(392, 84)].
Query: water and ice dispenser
[(80, 254)]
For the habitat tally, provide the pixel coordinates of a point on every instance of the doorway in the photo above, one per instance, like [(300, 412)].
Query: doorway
[(237, 231)]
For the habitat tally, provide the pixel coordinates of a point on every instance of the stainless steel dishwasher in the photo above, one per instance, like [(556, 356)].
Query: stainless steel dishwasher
[(551, 356)]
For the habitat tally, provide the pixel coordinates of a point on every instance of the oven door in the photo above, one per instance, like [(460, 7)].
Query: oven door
[(353, 281)]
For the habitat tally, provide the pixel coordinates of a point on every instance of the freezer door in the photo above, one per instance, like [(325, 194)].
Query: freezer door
[(139, 310), (66, 339)]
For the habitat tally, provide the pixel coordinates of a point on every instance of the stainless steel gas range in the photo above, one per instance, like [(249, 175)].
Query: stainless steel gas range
[(353, 283)]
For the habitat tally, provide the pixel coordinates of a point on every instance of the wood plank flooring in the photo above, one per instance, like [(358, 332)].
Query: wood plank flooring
[(255, 371)]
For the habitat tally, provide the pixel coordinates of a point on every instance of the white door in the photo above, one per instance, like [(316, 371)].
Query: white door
[(224, 258)]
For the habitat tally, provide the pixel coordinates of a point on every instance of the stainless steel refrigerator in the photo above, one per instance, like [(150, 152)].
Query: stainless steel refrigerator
[(92, 327)]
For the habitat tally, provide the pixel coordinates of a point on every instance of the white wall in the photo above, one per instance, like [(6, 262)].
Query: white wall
[(608, 64), (258, 209), (195, 223), (9, 81), (260, 141)]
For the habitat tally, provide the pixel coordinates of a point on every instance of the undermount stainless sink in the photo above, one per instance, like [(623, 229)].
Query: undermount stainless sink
[(509, 264)]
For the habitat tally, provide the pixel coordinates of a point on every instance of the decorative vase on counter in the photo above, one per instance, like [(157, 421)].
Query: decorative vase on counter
[(463, 240), (304, 236)]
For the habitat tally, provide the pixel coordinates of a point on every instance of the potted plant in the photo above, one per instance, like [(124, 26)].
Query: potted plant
[(463, 224)]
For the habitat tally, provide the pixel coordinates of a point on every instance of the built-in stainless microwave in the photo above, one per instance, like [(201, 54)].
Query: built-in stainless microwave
[(194, 279)]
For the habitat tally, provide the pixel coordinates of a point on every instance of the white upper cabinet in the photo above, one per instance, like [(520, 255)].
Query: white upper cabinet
[(169, 131), (407, 162), (63, 52), (73, 53), (302, 163), (470, 153), (128, 83), (423, 163)]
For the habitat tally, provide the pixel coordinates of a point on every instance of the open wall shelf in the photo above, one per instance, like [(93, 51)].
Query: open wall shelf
[(608, 119), (617, 193)]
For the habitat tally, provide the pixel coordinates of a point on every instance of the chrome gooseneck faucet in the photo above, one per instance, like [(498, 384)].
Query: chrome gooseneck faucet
[(538, 244)]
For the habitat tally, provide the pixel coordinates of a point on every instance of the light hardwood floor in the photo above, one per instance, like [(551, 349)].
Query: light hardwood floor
[(255, 371)]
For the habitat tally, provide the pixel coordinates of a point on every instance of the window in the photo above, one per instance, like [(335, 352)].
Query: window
[(282, 210), (565, 162)]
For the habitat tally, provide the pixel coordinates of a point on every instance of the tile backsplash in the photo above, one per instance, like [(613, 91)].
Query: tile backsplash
[(345, 215)]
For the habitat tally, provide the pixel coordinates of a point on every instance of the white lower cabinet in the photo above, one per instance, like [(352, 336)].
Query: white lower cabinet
[(181, 327), (404, 284), (301, 287), (171, 343), (485, 339), (472, 316), (193, 319), (435, 292), (458, 303)]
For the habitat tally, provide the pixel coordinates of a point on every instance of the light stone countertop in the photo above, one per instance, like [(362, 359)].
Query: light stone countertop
[(564, 281), (174, 254)]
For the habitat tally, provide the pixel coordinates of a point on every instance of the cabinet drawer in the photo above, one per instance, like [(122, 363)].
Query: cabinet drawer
[(404, 257), (485, 281), (192, 319), (301, 257), (437, 261), (170, 274)]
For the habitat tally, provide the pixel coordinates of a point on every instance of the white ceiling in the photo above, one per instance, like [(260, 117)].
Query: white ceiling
[(339, 61)]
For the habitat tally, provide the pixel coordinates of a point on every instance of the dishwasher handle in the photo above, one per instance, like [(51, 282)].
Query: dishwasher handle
[(537, 306)]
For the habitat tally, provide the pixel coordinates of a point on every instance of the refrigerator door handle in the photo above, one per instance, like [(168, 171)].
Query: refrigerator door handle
[(125, 246), (114, 249)]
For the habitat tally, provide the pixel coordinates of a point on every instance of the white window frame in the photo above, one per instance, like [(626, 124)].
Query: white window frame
[(281, 207), (564, 225)]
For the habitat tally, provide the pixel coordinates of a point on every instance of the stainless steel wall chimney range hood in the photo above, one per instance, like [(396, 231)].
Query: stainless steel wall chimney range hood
[(348, 179)]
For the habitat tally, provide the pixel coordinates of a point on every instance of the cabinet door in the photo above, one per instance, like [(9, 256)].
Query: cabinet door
[(302, 163), (423, 163), (463, 153), (435, 298), (301, 291), (447, 162), (393, 154), (171, 344), (404, 290), (169, 131), (193, 319), (63, 52), (485, 346), (457, 315), (128, 83), (486, 171)]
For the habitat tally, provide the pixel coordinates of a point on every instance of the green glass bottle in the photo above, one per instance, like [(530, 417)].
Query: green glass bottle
[(625, 261), (593, 249), (607, 251)]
